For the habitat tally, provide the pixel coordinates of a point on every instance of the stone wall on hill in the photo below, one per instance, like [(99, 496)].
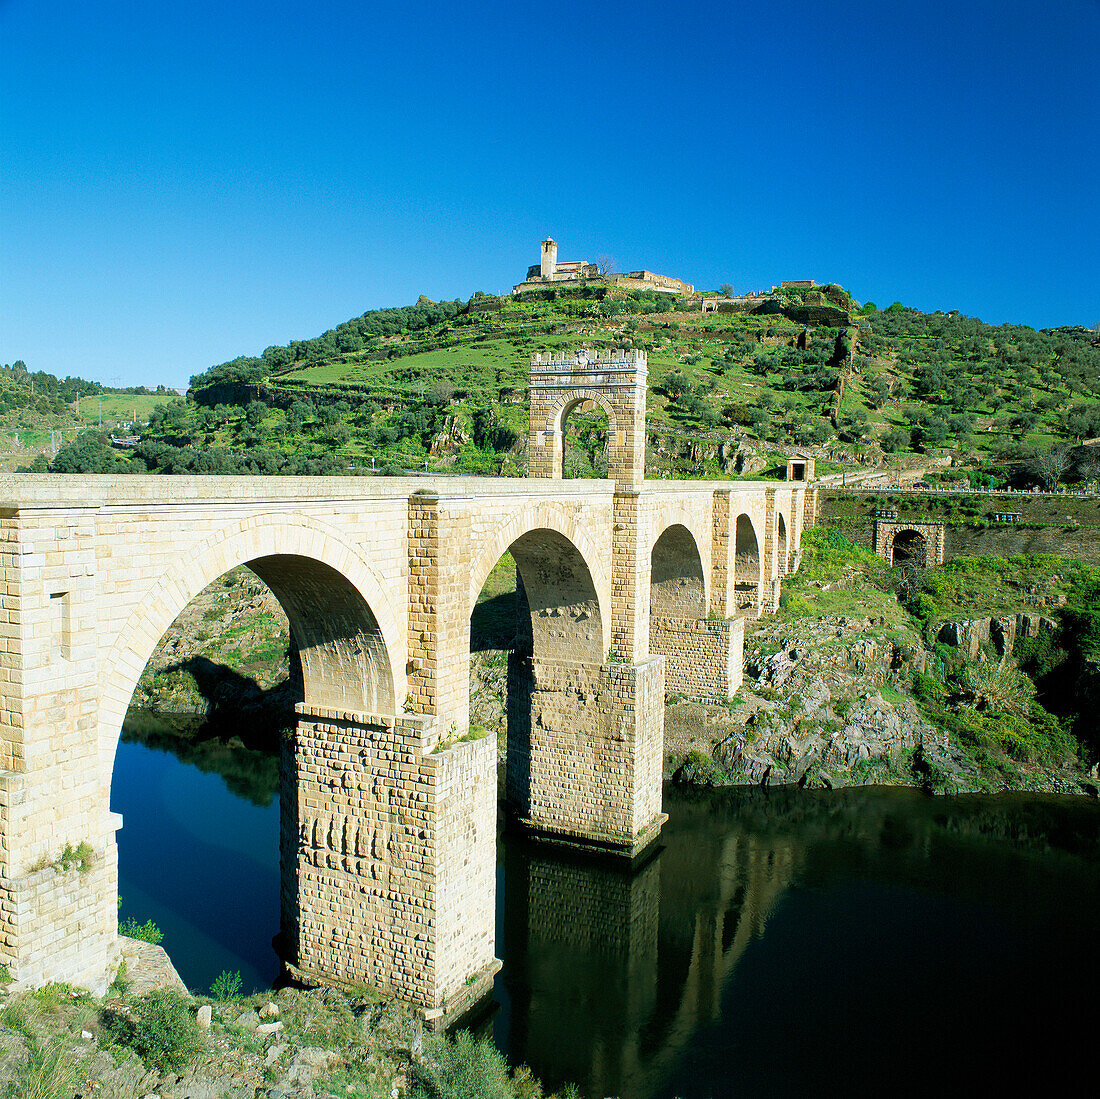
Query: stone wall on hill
[(1068, 526)]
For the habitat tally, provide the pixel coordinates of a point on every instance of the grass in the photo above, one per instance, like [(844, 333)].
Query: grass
[(120, 408)]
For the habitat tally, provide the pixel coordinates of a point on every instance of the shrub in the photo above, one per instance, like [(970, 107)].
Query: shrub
[(163, 1032), (459, 1068), (226, 985), (147, 932)]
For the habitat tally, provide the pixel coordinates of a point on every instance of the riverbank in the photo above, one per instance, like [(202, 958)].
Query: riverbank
[(292, 1043)]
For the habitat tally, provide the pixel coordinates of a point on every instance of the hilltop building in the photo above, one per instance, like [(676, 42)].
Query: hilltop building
[(550, 272)]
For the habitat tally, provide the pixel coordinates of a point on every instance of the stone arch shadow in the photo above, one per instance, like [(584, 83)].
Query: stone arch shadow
[(748, 564), (555, 557), (678, 582), (781, 559)]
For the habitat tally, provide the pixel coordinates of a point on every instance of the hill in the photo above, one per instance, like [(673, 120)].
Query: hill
[(444, 384)]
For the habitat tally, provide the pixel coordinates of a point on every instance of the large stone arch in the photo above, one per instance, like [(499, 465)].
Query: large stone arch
[(550, 539), (347, 628), (678, 581)]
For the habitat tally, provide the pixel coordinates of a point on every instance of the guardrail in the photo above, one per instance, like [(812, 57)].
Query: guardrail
[(937, 490)]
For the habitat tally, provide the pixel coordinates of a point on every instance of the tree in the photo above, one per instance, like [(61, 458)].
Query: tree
[(676, 385), (606, 265), (879, 390), (255, 412), (726, 290), (1048, 466), (960, 425), (897, 438)]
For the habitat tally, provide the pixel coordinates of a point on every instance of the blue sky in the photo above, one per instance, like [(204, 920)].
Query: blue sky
[(180, 185)]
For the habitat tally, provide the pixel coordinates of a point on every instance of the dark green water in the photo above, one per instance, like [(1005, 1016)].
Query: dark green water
[(849, 943)]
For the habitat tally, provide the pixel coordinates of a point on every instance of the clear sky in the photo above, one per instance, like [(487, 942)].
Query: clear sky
[(184, 183)]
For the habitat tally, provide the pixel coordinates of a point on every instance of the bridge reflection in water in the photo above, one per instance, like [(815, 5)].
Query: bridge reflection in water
[(607, 985)]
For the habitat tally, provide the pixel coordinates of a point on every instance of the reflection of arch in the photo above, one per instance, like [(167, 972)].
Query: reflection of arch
[(330, 596), (677, 582), (747, 564), (908, 547)]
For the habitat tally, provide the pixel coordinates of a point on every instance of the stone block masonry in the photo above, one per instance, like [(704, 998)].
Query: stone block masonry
[(585, 744), (394, 858), (703, 657)]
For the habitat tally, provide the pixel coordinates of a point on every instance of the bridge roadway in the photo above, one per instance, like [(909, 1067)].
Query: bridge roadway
[(388, 813)]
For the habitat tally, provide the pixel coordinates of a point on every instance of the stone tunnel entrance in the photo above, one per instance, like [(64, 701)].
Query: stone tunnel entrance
[(909, 548)]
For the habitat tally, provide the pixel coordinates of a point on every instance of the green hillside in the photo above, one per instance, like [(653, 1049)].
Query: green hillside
[(443, 386)]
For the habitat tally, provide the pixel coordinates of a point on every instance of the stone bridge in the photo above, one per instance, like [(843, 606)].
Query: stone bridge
[(389, 805)]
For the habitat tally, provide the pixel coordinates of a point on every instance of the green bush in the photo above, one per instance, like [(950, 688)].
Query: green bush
[(161, 1030), (165, 1033), (226, 986), (147, 932), (459, 1068)]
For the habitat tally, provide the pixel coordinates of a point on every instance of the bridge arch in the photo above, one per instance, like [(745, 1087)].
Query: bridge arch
[(562, 575), (748, 563), (780, 565), (344, 622), (677, 585)]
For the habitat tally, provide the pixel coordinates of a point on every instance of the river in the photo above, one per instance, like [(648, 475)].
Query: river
[(772, 943)]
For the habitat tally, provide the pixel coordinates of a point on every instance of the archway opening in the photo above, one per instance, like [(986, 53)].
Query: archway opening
[(676, 585), (202, 776), (585, 433), (909, 549), (782, 561), (746, 564)]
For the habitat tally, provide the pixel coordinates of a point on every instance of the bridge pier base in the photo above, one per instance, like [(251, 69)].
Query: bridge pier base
[(703, 656), (585, 746), (389, 858)]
